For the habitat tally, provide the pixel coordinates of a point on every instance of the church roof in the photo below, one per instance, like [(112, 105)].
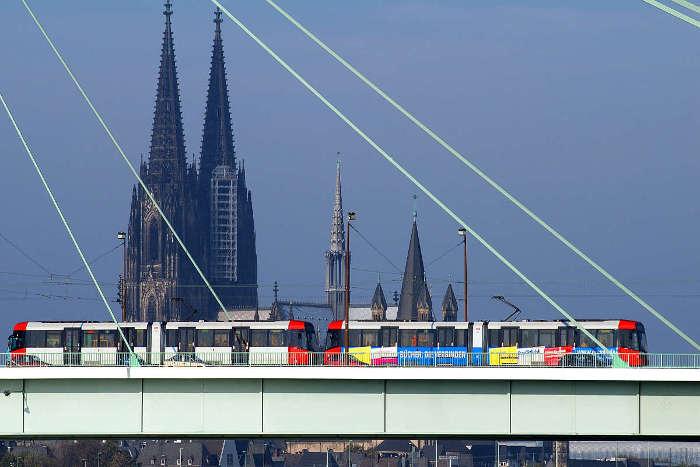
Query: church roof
[(167, 157), (378, 300), (413, 279), (449, 302)]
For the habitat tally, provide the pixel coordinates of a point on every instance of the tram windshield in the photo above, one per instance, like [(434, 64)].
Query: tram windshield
[(15, 341)]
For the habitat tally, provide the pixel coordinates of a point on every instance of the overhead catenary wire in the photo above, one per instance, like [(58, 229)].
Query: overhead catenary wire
[(66, 225), (25, 254), (126, 159), (407, 174), (484, 176), (94, 260), (376, 249)]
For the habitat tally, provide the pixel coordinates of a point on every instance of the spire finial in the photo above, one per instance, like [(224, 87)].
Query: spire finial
[(217, 21), (168, 9), (415, 209)]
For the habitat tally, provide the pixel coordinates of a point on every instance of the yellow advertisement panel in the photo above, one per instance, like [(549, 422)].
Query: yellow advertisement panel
[(362, 354), (499, 356)]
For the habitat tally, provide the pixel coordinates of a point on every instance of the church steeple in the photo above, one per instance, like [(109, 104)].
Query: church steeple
[(337, 222), (217, 137), (167, 157), (414, 287), (335, 256)]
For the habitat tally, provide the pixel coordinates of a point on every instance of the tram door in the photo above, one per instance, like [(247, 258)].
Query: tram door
[(186, 341), (71, 346)]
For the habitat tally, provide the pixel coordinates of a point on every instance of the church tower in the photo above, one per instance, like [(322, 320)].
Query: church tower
[(335, 255), (415, 303), (225, 203), (156, 267)]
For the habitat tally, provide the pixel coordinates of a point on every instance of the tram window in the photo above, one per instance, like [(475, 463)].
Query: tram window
[(276, 338), (407, 338), (565, 337), (205, 337), (334, 338), (606, 337), (53, 339), (258, 338), (355, 336), (642, 340), (446, 337), (171, 338), (461, 338), (311, 339), (495, 338), (370, 337), (221, 338), (140, 338), (107, 339), (296, 339), (425, 338), (89, 338), (389, 337), (546, 338), (628, 339), (528, 338), (510, 336), (584, 340), (36, 338)]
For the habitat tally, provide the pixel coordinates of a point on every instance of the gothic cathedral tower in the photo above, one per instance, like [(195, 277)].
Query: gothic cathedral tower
[(156, 268), (211, 208), (225, 203)]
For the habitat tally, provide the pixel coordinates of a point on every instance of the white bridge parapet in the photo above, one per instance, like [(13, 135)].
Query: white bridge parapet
[(352, 402)]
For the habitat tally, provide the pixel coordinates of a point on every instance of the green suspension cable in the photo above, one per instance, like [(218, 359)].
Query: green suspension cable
[(132, 358), (408, 175), (688, 5), (677, 13), (126, 159), (485, 177)]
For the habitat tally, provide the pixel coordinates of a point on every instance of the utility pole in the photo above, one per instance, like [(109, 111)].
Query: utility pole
[(463, 233), (351, 217), (122, 277)]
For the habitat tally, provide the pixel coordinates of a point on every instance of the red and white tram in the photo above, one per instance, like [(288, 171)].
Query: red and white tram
[(166, 343)]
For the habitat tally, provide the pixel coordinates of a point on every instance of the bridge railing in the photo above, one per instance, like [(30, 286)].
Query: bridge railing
[(388, 359)]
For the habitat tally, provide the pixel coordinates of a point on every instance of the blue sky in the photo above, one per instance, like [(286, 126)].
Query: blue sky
[(586, 110)]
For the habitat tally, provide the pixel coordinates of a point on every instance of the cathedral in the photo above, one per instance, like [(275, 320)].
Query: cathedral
[(208, 205)]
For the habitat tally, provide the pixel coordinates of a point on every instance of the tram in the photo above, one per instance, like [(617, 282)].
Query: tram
[(487, 343), (163, 343)]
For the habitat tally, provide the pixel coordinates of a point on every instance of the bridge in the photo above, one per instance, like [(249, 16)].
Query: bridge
[(272, 401), (317, 401)]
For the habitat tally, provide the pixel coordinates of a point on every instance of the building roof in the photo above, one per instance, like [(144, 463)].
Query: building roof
[(449, 302), (378, 299), (413, 279)]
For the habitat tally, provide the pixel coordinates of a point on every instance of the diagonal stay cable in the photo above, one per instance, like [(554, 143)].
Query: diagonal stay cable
[(376, 249), (132, 358), (688, 5), (126, 159), (673, 12), (25, 254), (407, 174), (486, 178)]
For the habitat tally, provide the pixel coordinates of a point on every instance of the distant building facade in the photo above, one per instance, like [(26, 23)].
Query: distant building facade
[(209, 206)]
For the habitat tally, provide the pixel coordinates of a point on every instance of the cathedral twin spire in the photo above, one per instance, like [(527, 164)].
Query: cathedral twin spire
[(157, 274), (167, 157)]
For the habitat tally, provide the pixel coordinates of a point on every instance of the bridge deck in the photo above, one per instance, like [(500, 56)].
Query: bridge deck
[(349, 402)]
